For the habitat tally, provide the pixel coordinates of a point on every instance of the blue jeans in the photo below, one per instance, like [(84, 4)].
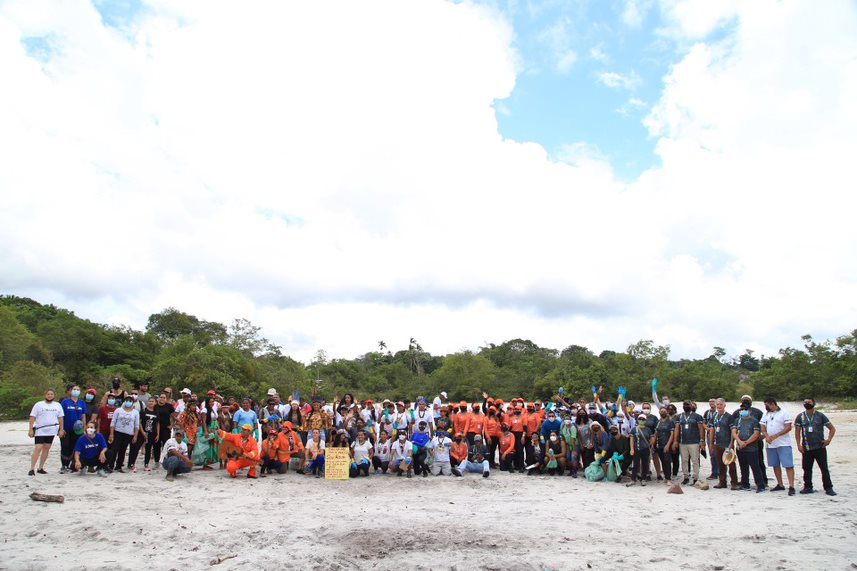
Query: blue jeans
[(174, 465)]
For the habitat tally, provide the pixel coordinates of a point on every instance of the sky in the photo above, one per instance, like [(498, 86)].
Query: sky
[(463, 173)]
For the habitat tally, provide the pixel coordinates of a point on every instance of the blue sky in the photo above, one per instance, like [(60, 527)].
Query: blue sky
[(589, 73)]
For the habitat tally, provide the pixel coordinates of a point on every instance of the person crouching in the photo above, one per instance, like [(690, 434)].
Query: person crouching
[(249, 451)]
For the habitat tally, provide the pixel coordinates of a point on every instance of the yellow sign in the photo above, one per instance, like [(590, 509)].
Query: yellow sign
[(337, 462)]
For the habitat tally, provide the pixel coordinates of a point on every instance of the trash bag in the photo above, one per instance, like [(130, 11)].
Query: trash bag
[(594, 473), (614, 469)]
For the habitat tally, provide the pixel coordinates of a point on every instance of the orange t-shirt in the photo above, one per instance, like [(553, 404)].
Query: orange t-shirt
[(458, 451), (515, 423), (507, 444), (492, 426), (534, 420), (459, 421), (475, 424)]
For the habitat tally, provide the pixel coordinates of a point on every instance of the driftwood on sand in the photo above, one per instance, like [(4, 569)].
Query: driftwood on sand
[(47, 498)]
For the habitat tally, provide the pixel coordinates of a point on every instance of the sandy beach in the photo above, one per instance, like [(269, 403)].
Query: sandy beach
[(508, 521)]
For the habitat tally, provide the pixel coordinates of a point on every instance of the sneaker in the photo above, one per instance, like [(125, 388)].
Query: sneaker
[(31, 473), (807, 491), (120, 470), (147, 469), (760, 490), (791, 491), (631, 484), (102, 473), (486, 474), (643, 483), (456, 471), (746, 488), (830, 492), (777, 488), (63, 470), (685, 481), (712, 478), (409, 475), (133, 469), (169, 477)]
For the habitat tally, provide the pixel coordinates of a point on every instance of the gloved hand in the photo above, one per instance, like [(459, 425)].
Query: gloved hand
[(594, 390), (408, 461), (654, 385), (354, 465)]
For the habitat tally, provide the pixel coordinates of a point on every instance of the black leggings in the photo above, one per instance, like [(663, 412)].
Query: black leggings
[(640, 467), (120, 445), (376, 463), (67, 444), (420, 461), (135, 451), (666, 463), (675, 456), (153, 449)]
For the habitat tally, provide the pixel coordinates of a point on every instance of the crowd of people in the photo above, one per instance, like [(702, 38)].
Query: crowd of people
[(617, 441)]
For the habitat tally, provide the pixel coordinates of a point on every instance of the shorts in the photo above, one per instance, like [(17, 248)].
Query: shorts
[(44, 439), (781, 457)]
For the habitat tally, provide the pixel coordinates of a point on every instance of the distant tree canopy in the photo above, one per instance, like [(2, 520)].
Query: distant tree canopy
[(43, 346)]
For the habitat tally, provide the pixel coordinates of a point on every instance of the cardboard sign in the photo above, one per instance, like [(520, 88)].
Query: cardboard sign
[(337, 462)]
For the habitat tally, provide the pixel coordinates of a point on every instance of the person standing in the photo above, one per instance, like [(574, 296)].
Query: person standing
[(664, 442), (747, 433), (720, 436), (813, 446), (45, 423), (706, 416), (151, 427), (690, 432), (640, 451), (124, 428), (73, 420), (757, 414), (91, 406), (776, 425), (438, 402)]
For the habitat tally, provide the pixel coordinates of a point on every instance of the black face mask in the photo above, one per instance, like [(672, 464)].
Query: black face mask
[(593, 415), (458, 440), (115, 384), (808, 406), (688, 409), (663, 415)]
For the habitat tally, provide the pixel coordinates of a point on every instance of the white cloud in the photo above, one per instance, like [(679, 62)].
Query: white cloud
[(597, 53), (557, 40), (340, 181), (635, 11), (617, 80), (566, 61), (632, 105)]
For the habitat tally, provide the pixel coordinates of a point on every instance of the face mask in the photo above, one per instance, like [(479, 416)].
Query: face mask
[(134, 397), (592, 415), (551, 418), (90, 397), (553, 438), (566, 422), (75, 394), (687, 408), (401, 439), (808, 406), (458, 440), (647, 410), (745, 413), (128, 404), (90, 431), (115, 384), (666, 402), (111, 402)]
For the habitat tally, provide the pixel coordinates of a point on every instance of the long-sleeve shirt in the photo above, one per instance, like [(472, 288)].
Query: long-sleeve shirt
[(249, 447), (548, 427)]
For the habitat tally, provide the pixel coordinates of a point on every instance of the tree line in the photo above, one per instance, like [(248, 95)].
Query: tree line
[(42, 346)]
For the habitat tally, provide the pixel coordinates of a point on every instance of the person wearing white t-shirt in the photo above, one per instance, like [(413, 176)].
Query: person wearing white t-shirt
[(381, 459), (439, 447), (176, 460), (438, 402), (776, 425), (45, 423), (401, 455), (361, 455)]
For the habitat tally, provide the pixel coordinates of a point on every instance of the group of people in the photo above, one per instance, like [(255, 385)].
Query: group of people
[(619, 441)]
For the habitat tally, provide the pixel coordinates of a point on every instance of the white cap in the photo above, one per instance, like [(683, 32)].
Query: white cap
[(443, 394), (272, 392), (186, 391)]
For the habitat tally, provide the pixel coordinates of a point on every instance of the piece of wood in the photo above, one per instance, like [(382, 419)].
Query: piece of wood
[(219, 560), (47, 498)]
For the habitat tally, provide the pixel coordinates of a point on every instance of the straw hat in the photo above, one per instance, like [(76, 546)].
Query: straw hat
[(729, 456)]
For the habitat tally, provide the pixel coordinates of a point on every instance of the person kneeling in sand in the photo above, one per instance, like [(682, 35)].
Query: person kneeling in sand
[(476, 459), (440, 446), (175, 456), (249, 451), (91, 452)]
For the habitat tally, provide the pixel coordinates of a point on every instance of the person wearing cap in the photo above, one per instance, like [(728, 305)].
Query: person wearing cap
[(720, 435), (249, 450), (458, 450), (475, 425), (517, 425), (176, 460), (179, 405), (493, 434), (401, 455), (443, 422), (690, 433), (91, 405), (438, 402), (663, 442), (294, 415), (476, 461), (420, 440), (269, 454), (640, 451), (440, 447), (381, 457), (314, 453), (507, 450), (74, 419), (757, 414), (776, 425), (746, 433), (812, 445)]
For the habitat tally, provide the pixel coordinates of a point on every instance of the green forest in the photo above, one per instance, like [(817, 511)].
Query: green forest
[(43, 346)]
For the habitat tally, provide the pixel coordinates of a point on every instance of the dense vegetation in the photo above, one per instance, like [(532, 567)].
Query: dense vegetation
[(43, 346)]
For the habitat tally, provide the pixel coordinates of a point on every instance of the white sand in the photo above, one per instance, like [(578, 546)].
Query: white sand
[(140, 521)]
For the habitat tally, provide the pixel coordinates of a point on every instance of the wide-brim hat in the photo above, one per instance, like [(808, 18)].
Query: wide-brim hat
[(729, 456)]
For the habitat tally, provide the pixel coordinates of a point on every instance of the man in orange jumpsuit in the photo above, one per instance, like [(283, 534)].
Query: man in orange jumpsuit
[(249, 451)]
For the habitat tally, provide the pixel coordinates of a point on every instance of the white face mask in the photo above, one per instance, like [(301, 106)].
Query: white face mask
[(553, 438), (90, 431), (401, 439)]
